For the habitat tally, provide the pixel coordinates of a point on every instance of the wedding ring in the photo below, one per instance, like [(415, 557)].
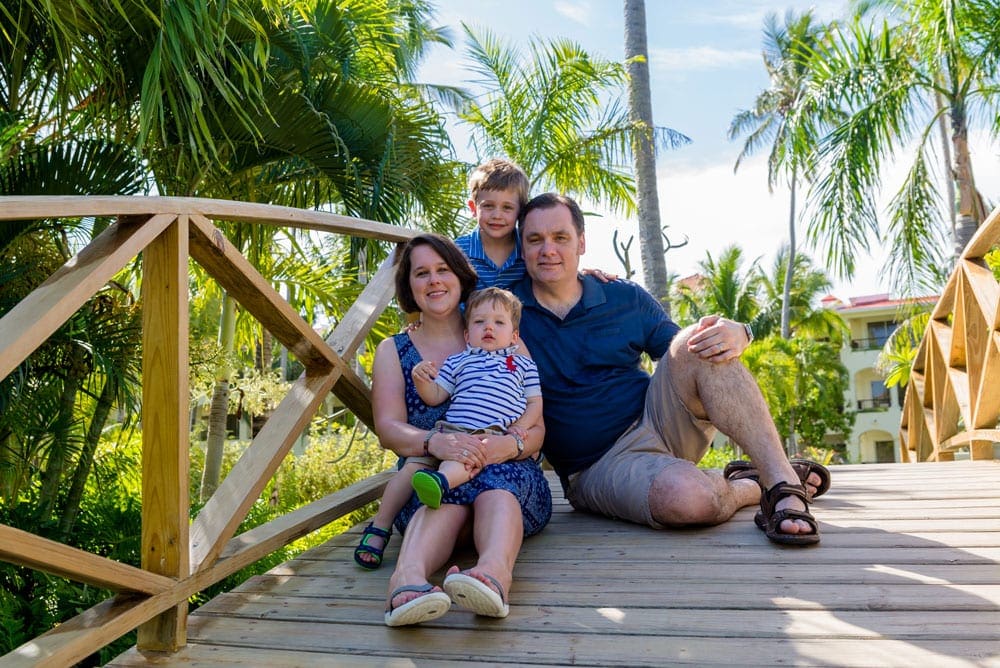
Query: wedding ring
[(465, 453)]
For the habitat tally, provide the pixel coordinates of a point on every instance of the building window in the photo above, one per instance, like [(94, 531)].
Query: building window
[(880, 395), (881, 398), (879, 332), (885, 452)]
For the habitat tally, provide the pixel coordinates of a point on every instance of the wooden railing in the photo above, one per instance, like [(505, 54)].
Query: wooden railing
[(954, 396), (182, 557)]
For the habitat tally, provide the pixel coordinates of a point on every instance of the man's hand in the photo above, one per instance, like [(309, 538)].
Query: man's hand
[(717, 339)]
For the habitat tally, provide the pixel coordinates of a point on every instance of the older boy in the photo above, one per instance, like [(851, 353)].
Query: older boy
[(498, 189)]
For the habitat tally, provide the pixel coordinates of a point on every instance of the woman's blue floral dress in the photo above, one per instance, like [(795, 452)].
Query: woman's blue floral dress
[(522, 478)]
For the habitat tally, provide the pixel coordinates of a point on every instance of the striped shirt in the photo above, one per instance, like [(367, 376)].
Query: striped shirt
[(490, 275), (488, 388)]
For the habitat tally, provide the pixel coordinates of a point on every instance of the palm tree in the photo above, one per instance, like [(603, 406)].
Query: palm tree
[(140, 70), (803, 381), (806, 319), (550, 113), (722, 289), (640, 106), (342, 129), (779, 121), (889, 76), (815, 338), (303, 105)]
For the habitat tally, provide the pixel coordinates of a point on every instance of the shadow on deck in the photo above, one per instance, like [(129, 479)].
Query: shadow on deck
[(908, 574)]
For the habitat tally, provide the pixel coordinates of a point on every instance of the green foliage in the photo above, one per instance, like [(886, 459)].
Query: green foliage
[(32, 602), (725, 289), (894, 71), (803, 382), (801, 378), (336, 456), (717, 458), (549, 111), (109, 522)]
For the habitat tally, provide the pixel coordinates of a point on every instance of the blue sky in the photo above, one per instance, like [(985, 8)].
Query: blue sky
[(705, 66)]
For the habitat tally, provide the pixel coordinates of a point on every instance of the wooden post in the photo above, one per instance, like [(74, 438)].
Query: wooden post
[(980, 450), (165, 495)]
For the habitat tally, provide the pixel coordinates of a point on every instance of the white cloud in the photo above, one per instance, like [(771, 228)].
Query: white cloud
[(578, 12), (749, 15), (700, 58)]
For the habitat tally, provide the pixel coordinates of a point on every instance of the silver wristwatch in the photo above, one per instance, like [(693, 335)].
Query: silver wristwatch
[(749, 331), (520, 444)]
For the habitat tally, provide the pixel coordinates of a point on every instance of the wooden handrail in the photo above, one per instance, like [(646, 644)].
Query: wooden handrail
[(954, 398), (179, 559)]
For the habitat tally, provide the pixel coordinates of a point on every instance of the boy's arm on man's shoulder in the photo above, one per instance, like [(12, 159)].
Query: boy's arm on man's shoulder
[(600, 274)]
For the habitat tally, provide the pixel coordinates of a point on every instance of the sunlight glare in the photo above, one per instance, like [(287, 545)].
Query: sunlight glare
[(615, 615)]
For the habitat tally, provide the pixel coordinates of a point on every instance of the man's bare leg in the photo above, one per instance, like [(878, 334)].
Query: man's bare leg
[(727, 395)]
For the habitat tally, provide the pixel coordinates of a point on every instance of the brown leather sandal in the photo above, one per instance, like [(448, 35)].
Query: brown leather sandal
[(769, 519), (739, 469)]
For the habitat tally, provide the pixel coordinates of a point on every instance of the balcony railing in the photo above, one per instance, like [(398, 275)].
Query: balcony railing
[(874, 404), (868, 344)]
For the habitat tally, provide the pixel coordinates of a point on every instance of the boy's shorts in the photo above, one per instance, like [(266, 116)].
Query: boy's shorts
[(618, 484)]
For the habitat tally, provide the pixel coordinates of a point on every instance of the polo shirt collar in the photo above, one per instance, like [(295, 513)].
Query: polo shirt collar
[(476, 247), (593, 293), (500, 352)]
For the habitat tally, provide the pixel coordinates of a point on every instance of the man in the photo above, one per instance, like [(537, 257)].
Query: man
[(623, 443)]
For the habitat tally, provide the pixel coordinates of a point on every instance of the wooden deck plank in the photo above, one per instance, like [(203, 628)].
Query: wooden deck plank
[(769, 622), (909, 563), (489, 642)]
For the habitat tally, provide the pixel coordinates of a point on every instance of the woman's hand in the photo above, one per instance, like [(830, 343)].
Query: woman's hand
[(466, 449)]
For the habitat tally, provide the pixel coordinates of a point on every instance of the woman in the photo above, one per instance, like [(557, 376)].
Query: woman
[(508, 500)]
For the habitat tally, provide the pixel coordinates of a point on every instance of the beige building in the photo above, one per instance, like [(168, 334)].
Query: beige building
[(871, 319)]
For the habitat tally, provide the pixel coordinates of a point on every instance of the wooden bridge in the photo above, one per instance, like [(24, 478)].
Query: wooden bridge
[(909, 564)]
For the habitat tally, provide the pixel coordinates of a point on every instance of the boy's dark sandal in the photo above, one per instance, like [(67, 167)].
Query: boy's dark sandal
[(769, 518), (376, 552)]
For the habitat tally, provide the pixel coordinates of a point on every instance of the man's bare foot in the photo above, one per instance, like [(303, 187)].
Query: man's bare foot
[(784, 515)]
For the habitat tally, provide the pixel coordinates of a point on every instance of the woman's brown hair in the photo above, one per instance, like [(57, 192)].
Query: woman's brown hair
[(449, 252)]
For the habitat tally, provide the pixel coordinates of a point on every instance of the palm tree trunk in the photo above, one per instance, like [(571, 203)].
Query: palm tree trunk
[(786, 293), (266, 351), (946, 155), (968, 210), (654, 266), (71, 507), (216, 440), (55, 465)]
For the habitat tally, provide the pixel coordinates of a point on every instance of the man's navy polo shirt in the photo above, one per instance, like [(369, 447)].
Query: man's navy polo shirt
[(593, 387)]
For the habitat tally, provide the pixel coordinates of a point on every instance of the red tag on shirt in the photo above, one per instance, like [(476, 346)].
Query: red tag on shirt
[(510, 364)]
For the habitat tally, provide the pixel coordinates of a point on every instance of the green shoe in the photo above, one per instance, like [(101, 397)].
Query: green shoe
[(430, 487)]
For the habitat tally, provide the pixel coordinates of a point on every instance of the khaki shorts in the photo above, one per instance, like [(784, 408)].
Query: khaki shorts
[(618, 484)]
